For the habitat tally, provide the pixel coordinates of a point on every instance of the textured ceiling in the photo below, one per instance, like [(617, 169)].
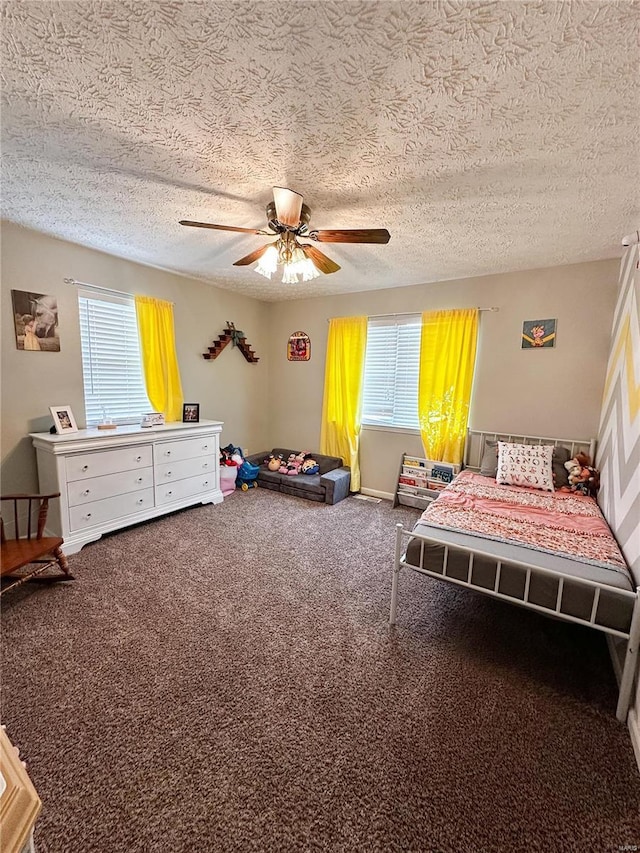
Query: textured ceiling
[(486, 137)]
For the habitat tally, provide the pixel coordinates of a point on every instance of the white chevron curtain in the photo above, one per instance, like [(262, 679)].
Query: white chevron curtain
[(619, 433)]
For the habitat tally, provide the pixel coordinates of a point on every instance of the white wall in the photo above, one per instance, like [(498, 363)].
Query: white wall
[(555, 391), (228, 389)]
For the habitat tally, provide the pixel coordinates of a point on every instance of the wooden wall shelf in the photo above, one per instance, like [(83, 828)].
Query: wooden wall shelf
[(231, 334)]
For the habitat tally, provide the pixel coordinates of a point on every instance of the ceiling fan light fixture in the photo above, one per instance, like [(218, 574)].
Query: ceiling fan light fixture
[(299, 270), (268, 263)]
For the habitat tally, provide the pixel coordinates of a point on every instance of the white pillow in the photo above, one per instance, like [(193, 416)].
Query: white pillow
[(525, 465)]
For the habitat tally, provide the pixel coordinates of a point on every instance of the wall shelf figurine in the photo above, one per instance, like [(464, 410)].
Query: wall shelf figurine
[(237, 339), (299, 347)]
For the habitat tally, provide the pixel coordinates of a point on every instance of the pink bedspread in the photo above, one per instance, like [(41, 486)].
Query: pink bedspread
[(562, 523)]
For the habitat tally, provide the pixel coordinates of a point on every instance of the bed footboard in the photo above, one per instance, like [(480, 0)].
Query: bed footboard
[(627, 627)]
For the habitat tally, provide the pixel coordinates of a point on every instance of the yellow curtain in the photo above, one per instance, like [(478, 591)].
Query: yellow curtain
[(159, 361), (447, 360), (342, 403)]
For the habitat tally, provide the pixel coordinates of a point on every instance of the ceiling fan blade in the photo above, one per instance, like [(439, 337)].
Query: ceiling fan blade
[(319, 259), (222, 227), (356, 235), (288, 206), (252, 256)]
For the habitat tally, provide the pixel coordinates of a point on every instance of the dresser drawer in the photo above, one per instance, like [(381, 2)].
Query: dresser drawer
[(188, 448), (99, 512), (96, 464), (169, 472), (95, 489), (166, 494)]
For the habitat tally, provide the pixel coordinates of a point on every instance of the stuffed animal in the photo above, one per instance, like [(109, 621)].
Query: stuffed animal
[(274, 463), (284, 466), (309, 466), (294, 465), (583, 477)]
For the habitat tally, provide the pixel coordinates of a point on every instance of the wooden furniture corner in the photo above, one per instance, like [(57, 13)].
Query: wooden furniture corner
[(34, 551), (19, 802)]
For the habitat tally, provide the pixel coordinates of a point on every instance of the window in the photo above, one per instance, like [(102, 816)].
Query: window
[(391, 370), (111, 364)]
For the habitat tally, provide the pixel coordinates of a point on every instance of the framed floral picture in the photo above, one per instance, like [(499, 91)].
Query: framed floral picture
[(63, 419), (538, 333)]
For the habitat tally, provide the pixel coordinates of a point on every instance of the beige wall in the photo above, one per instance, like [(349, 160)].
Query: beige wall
[(553, 392), (228, 389)]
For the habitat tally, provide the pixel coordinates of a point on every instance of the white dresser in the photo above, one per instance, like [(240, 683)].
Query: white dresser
[(110, 479)]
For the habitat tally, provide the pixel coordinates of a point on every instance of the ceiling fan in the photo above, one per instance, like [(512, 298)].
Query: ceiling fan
[(288, 220)]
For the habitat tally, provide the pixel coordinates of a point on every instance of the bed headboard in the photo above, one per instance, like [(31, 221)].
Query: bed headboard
[(474, 445)]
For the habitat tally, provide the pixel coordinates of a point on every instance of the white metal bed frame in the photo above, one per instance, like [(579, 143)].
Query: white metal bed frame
[(473, 454)]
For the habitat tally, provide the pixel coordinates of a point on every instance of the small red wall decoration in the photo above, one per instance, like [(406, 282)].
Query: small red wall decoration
[(299, 347)]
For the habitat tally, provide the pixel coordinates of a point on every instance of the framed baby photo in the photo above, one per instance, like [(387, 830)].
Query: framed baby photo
[(63, 419), (190, 413)]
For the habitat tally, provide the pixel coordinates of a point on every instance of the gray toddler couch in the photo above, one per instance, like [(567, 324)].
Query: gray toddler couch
[(329, 485)]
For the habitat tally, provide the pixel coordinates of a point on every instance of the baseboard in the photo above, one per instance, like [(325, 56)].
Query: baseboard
[(633, 722), (386, 496)]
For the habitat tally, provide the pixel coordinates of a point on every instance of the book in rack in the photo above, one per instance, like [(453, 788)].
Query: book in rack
[(420, 480)]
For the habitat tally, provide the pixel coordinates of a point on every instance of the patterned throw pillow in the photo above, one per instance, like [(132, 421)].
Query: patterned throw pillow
[(525, 465)]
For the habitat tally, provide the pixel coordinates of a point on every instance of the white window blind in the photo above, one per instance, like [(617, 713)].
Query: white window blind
[(111, 363), (391, 372)]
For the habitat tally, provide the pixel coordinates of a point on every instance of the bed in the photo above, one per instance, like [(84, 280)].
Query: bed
[(549, 551)]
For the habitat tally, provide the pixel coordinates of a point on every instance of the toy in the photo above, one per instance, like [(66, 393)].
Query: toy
[(247, 476), (284, 466), (309, 466), (274, 462), (583, 477)]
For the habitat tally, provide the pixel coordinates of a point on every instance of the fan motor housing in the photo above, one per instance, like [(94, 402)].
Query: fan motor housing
[(272, 221)]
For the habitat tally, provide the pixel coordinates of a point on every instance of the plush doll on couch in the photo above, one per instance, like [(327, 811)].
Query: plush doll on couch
[(309, 466), (583, 477)]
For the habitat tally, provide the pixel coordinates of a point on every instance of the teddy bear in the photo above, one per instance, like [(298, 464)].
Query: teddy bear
[(583, 477)]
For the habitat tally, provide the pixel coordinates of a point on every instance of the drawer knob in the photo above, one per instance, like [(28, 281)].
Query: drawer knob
[(85, 467), (205, 446), (206, 483), (88, 515), (205, 464), (86, 492), (138, 458), (169, 492), (139, 480), (167, 453), (169, 473), (140, 500)]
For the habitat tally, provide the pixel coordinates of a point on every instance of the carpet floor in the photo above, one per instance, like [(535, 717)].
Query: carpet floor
[(225, 679)]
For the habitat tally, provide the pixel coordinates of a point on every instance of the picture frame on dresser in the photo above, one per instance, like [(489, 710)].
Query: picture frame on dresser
[(190, 413), (63, 419)]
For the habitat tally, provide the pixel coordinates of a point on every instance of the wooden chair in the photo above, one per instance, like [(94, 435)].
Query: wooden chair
[(35, 550)]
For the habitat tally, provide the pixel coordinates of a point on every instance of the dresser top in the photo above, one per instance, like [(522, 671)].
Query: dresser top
[(125, 433)]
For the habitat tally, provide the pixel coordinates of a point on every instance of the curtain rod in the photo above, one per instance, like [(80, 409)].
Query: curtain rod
[(98, 288), (408, 314)]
